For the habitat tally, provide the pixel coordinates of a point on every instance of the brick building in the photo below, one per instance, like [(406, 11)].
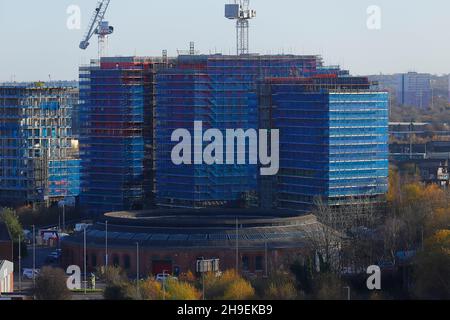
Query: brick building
[(173, 241)]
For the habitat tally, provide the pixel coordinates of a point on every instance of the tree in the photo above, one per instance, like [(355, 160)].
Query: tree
[(187, 277), (151, 289), (178, 290), (281, 285), (51, 285), (118, 287), (355, 224), (119, 291), (112, 275), (10, 218), (304, 273), (228, 286), (432, 268), (328, 286), (240, 289)]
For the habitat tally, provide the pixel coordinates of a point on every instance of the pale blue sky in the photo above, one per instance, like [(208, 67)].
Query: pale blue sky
[(35, 41)]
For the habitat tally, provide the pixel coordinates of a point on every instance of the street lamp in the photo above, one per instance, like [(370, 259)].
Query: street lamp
[(85, 263), (34, 257), (137, 269), (20, 265), (106, 244)]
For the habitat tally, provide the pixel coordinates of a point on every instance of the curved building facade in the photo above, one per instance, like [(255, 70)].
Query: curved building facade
[(172, 241)]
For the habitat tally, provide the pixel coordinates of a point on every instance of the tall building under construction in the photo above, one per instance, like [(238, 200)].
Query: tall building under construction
[(39, 161), (333, 141), (117, 97), (333, 132), (219, 91)]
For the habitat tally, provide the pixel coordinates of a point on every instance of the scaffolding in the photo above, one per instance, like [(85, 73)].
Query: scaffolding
[(333, 140), (219, 91), (117, 98), (36, 150)]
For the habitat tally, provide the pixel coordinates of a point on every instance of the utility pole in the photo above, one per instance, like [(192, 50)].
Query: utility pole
[(85, 263), (137, 269), (106, 244), (20, 265), (34, 257), (237, 245), (266, 258), (64, 216)]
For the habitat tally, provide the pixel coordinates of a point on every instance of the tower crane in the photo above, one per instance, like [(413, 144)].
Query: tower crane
[(241, 12), (99, 27)]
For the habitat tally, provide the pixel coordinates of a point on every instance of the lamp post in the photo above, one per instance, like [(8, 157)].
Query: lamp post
[(106, 244), (64, 217), (137, 269), (85, 263), (34, 257), (237, 245), (20, 265)]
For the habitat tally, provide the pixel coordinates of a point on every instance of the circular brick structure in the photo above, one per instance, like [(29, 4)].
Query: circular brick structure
[(173, 240)]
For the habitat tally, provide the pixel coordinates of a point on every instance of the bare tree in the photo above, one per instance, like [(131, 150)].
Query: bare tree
[(346, 234)]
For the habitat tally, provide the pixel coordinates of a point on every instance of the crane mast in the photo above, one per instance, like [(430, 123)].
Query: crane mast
[(100, 27), (241, 12)]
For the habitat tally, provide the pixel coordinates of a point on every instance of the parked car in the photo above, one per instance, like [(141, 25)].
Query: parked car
[(28, 273), (164, 277)]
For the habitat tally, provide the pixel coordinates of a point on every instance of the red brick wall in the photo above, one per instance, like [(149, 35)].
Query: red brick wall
[(184, 259)]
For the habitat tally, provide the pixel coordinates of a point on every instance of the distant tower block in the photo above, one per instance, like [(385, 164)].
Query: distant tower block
[(241, 12)]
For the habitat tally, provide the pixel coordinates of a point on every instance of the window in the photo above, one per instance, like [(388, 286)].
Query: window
[(126, 262), (94, 260), (245, 263), (259, 263), (116, 262)]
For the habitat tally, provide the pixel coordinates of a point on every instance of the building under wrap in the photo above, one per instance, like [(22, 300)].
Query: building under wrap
[(38, 155), (333, 141), (116, 133), (219, 91)]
